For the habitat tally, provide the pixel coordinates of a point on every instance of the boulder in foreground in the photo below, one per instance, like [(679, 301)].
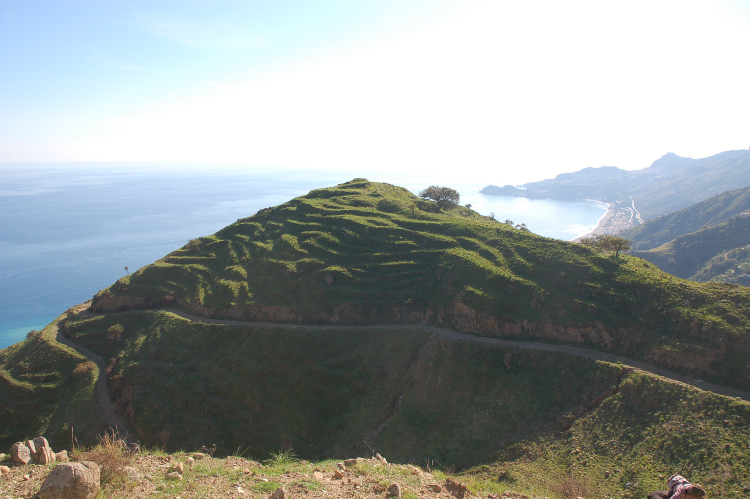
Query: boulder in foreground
[(71, 481)]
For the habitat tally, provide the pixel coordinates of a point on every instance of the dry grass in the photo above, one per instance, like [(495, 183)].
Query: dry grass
[(570, 488), (84, 369), (112, 456)]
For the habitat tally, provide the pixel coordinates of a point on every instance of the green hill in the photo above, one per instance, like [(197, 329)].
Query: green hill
[(47, 388), (528, 421), (732, 267), (369, 254), (713, 210), (688, 255)]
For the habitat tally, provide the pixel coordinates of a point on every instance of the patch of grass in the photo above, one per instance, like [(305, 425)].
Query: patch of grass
[(265, 487), (309, 484)]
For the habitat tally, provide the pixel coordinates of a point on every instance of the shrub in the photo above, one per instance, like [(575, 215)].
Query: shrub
[(84, 369), (114, 332), (111, 454)]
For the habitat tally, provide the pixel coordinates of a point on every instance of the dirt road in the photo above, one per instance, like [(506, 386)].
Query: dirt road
[(117, 423)]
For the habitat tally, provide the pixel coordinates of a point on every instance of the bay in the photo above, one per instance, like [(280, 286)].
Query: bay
[(67, 231)]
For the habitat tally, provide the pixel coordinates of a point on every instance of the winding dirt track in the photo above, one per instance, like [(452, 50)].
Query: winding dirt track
[(117, 423), (110, 416)]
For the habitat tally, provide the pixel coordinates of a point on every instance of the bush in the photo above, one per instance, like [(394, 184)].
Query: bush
[(112, 456), (389, 206), (84, 369), (114, 332)]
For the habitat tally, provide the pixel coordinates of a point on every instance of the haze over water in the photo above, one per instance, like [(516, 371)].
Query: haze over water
[(69, 231)]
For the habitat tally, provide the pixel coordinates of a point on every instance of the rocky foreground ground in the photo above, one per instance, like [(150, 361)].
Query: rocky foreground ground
[(198, 475)]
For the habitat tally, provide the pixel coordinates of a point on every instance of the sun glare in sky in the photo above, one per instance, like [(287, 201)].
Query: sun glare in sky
[(507, 91)]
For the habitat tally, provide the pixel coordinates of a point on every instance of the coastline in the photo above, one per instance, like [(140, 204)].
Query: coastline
[(605, 222)]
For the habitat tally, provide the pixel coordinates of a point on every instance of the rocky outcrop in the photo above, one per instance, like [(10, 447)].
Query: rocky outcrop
[(71, 481), (469, 320), (36, 451), (699, 361)]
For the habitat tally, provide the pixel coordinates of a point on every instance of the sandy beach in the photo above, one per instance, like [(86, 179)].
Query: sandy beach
[(618, 218)]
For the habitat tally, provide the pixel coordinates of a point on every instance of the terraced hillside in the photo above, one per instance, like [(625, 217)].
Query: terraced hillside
[(368, 253), (363, 254)]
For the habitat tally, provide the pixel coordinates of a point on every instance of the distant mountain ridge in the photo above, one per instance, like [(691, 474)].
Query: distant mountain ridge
[(669, 184), (687, 255), (714, 210)]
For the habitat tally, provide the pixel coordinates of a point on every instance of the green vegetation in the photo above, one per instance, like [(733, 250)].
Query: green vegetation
[(363, 253), (444, 196), (701, 215), (510, 420), (334, 256), (607, 243), (688, 255), (46, 389), (732, 267)]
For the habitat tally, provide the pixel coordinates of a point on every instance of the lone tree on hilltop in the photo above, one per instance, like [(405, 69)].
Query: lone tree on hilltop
[(443, 196), (606, 242)]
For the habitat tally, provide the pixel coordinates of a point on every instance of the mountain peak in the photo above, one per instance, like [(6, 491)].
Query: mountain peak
[(671, 161)]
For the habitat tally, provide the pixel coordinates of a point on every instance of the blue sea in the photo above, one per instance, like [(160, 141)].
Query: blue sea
[(67, 231)]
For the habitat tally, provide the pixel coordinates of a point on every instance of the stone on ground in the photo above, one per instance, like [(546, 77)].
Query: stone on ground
[(279, 493), (457, 489), (62, 456), (71, 481), (44, 453), (394, 490), (20, 453), (32, 448)]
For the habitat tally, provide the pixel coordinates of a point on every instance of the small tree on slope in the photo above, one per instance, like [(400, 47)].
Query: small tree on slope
[(443, 196)]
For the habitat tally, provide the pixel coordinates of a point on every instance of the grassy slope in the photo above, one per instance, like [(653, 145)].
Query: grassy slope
[(539, 421), (391, 261), (731, 267), (687, 255), (41, 395), (714, 210)]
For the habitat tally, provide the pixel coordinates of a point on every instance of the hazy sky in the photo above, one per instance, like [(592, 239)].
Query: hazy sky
[(507, 91)]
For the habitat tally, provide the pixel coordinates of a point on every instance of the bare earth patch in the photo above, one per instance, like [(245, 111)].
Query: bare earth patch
[(235, 477)]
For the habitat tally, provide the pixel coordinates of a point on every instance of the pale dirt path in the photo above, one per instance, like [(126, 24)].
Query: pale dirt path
[(455, 335), (107, 409)]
